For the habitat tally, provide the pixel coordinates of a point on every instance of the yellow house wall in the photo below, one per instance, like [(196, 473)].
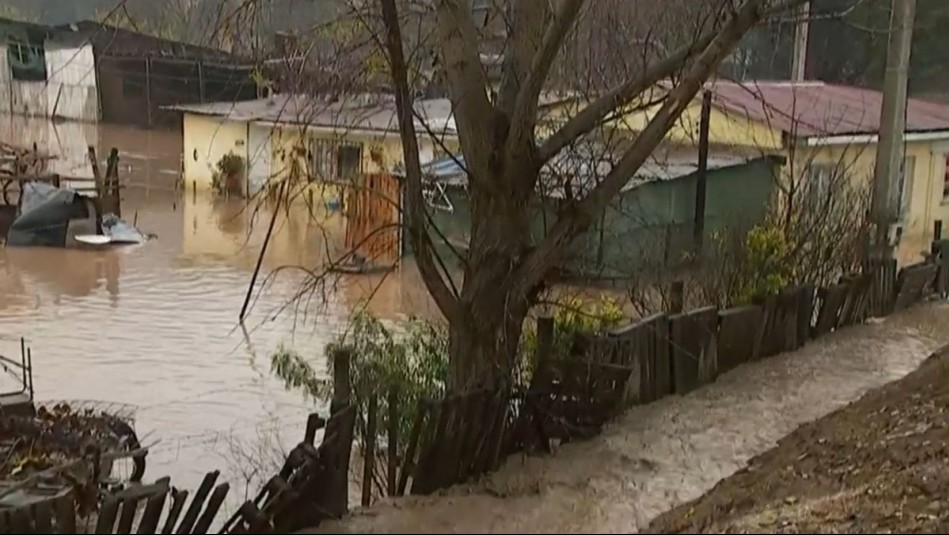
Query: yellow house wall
[(926, 203), (729, 129), (205, 140)]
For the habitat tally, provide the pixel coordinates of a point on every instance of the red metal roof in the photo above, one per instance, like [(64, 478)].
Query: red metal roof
[(809, 109)]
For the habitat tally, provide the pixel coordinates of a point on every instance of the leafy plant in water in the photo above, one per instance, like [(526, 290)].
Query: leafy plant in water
[(413, 363), (228, 171), (572, 316)]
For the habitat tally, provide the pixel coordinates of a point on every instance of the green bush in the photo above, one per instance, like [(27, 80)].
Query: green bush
[(414, 359), (413, 362)]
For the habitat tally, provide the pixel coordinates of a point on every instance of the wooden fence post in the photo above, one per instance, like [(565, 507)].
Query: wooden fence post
[(677, 297), (393, 441), (545, 343), (342, 387), (369, 451)]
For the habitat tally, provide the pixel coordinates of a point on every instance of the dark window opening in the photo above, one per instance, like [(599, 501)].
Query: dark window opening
[(348, 161), (27, 60)]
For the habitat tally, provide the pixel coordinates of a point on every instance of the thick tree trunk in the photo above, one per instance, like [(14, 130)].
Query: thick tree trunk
[(487, 329)]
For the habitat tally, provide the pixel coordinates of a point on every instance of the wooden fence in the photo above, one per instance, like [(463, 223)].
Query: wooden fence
[(465, 436)]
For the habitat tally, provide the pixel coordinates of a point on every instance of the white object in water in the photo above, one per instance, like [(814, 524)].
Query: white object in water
[(93, 239)]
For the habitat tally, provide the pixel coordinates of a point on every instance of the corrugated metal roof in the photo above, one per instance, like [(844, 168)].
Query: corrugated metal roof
[(451, 171), (376, 113), (810, 109)]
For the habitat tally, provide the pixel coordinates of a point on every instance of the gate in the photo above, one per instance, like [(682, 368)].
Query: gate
[(372, 219)]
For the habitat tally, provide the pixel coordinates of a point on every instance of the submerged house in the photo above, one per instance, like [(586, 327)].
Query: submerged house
[(138, 75), (88, 71), (825, 131), (647, 227), (335, 144), (44, 73)]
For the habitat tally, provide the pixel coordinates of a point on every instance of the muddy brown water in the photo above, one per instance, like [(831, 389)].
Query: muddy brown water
[(155, 326)]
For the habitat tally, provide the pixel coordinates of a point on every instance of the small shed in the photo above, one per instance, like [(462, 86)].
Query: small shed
[(46, 74), (648, 226)]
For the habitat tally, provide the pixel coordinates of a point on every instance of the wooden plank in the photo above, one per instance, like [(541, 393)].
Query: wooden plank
[(214, 505), (408, 463), (197, 503), (913, 284), (805, 313), (738, 336), (369, 450), (107, 513), (178, 498), (344, 423), (20, 521), (152, 513), (127, 509), (429, 456), (43, 517), (662, 363), (392, 442), (314, 423), (831, 302), (693, 335), (65, 514)]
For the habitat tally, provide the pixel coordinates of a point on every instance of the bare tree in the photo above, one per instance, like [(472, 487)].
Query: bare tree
[(504, 271)]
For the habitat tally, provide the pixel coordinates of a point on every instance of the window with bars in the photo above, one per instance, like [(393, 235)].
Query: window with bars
[(334, 161)]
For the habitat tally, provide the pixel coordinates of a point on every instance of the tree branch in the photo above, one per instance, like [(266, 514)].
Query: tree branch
[(525, 34), (594, 114), (467, 83), (578, 217), (525, 107), (414, 200)]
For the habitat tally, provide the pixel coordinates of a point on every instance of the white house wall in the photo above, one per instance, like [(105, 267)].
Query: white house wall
[(70, 91), (4, 81), (71, 75)]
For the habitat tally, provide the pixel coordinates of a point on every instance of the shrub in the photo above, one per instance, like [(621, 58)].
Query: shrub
[(414, 362), (414, 359), (228, 171)]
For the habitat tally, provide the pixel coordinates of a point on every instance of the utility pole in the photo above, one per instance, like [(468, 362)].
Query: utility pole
[(701, 175), (889, 157), (801, 33)]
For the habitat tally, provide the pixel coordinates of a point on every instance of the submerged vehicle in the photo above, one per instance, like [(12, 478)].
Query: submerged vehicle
[(62, 217)]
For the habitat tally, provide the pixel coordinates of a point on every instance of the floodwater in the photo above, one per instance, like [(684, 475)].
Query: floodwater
[(156, 326), (669, 452)]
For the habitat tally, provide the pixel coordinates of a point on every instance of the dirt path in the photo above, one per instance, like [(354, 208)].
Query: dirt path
[(673, 451)]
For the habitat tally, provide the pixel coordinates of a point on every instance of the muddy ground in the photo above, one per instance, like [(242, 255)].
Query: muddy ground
[(667, 453), (879, 465)]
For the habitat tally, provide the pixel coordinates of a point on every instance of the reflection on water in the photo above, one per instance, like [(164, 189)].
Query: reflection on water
[(155, 325)]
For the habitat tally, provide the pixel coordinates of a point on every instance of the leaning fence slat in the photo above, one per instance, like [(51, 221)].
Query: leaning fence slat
[(178, 499), (153, 507), (408, 463), (197, 503), (107, 513), (214, 505), (127, 509), (392, 442), (65, 514), (20, 521), (369, 451), (43, 517)]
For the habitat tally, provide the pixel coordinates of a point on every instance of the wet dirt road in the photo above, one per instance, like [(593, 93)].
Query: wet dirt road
[(155, 326), (672, 451)]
